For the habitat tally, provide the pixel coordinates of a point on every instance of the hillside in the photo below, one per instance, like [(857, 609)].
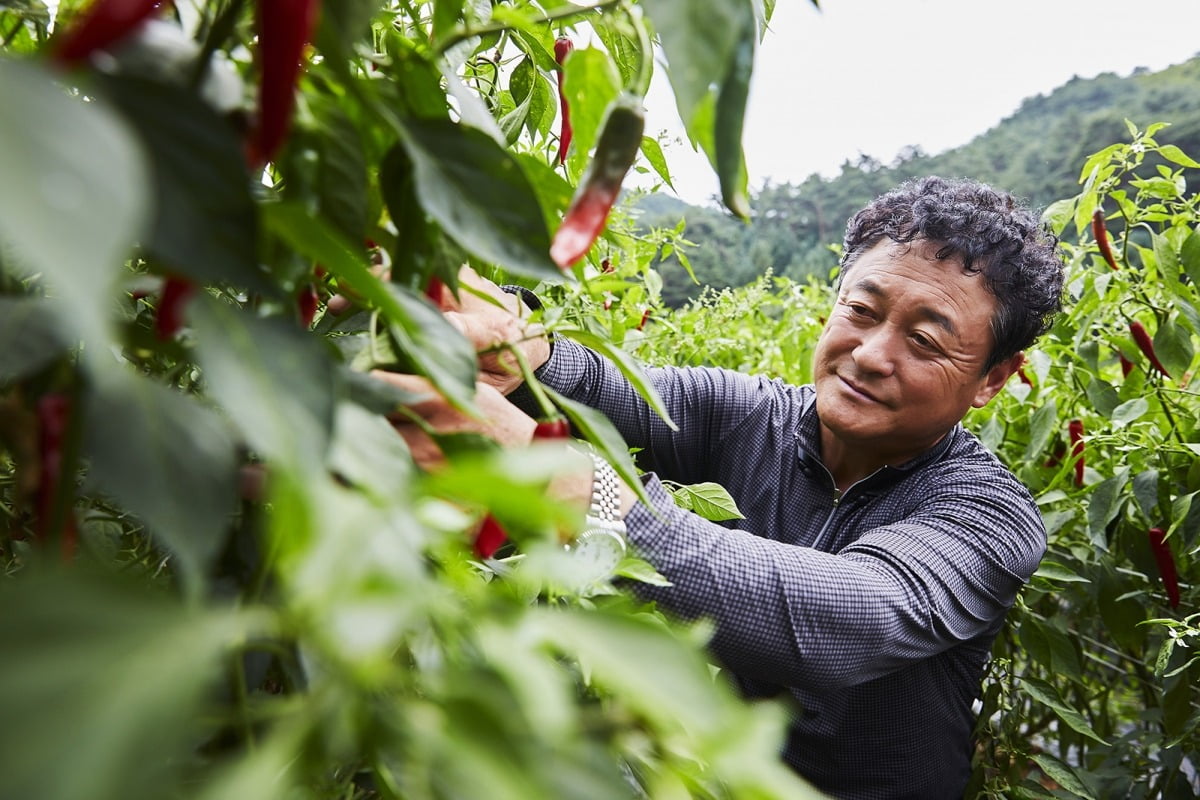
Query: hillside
[(1036, 153)]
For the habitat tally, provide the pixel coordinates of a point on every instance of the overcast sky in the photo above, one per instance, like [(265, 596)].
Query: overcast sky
[(872, 76)]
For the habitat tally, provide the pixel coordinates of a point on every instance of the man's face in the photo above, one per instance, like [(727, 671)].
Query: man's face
[(901, 358)]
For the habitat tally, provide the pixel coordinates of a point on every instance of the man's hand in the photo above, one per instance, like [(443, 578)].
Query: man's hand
[(492, 320), (501, 420)]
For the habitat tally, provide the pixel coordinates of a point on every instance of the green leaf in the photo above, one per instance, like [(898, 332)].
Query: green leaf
[(1145, 491), (74, 195), (629, 368), (1047, 695), (29, 337), (1173, 346), (341, 170), (118, 668), (204, 222), (1103, 503), (709, 500), (1177, 156), (166, 458), (641, 571), (591, 84), (653, 152), (274, 381), (433, 345), (474, 189), (597, 429), (1063, 775), (1103, 397), (1041, 428), (1129, 411), (1052, 570)]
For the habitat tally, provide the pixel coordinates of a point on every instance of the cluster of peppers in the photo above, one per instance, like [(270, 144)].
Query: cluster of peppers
[(284, 29)]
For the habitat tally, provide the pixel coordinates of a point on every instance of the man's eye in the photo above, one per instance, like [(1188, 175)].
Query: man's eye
[(923, 341)]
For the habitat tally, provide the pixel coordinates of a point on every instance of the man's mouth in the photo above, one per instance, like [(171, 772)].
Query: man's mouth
[(858, 390)]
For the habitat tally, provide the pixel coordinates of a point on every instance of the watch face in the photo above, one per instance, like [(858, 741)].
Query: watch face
[(597, 552)]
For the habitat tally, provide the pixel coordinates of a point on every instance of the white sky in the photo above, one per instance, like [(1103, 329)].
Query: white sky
[(872, 76)]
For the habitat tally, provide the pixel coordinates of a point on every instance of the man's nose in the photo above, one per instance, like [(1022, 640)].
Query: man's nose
[(876, 351)]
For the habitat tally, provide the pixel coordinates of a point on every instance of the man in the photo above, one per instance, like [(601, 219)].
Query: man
[(882, 544)]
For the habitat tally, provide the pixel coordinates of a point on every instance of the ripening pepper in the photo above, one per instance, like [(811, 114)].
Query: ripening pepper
[(284, 28), (620, 139), (1142, 339), (1075, 432), (175, 294), (1100, 233), (562, 47), (307, 300), (1165, 561), (103, 24), (53, 417)]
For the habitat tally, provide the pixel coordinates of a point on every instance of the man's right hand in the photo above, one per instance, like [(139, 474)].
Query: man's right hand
[(493, 320)]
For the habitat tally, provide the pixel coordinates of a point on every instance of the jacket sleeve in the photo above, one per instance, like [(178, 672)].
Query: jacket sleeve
[(797, 616)]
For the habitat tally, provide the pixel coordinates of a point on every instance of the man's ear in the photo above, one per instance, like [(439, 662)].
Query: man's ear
[(996, 377)]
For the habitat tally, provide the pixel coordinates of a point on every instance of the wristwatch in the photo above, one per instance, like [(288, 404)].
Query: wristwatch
[(600, 547)]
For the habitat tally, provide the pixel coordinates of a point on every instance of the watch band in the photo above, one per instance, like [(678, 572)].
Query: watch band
[(606, 491)]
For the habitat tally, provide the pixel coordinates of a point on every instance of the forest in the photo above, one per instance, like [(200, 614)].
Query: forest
[(1033, 153)]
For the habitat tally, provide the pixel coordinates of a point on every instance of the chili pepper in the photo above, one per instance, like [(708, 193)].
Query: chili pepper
[(1075, 431), (1100, 232), (1024, 378), (53, 416), (606, 266), (1126, 365), (307, 301), (562, 47), (556, 428), (175, 294), (489, 538), (435, 290), (1146, 345), (284, 28), (615, 153), (104, 23), (642, 322), (1166, 564)]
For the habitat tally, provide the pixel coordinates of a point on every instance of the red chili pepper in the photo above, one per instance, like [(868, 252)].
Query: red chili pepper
[(284, 28), (489, 538), (562, 47), (104, 23), (1146, 345), (642, 322), (435, 290), (556, 428), (175, 294), (53, 415), (1100, 232), (1166, 564), (598, 191), (1075, 431), (307, 300), (1126, 365), (606, 266), (1024, 378)]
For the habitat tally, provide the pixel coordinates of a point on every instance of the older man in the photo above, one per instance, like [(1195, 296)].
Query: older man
[(882, 544)]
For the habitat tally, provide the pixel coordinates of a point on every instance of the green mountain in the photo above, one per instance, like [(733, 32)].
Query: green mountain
[(1035, 153)]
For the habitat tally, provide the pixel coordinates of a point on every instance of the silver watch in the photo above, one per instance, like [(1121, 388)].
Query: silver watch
[(601, 544)]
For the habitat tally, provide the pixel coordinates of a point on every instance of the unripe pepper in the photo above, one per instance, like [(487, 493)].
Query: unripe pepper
[(616, 151), (284, 28), (175, 294), (562, 47), (1075, 432), (1166, 564), (1100, 233), (1142, 339), (104, 23)]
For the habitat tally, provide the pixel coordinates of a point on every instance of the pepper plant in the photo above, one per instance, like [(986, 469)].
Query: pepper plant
[(224, 575)]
